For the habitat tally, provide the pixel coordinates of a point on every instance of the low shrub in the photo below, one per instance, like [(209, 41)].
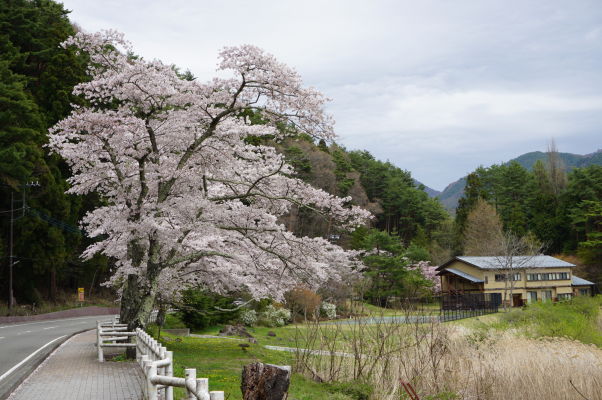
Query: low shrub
[(200, 309), (274, 317), (174, 321), (248, 317), (303, 303), (328, 310)]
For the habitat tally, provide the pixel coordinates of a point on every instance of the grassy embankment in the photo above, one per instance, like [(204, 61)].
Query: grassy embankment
[(65, 303), (578, 319)]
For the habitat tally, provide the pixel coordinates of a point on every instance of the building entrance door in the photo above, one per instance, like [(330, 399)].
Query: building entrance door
[(517, 300)]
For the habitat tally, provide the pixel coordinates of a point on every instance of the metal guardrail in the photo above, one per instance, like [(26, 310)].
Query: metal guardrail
[(156, 363)]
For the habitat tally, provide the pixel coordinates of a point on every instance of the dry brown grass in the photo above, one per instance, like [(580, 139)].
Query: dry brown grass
[(508, 366), (438, 358)]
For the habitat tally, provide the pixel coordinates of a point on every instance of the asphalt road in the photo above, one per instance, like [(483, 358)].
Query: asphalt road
[(24, 345)]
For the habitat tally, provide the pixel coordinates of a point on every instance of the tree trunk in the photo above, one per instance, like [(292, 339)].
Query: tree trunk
[(136, 306), (160, 320), (511, 288)]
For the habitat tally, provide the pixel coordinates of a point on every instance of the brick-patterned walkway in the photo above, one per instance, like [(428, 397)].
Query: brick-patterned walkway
[(73, 372)]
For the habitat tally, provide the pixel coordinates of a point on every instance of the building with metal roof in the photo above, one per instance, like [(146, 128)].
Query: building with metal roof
[(514, 280)]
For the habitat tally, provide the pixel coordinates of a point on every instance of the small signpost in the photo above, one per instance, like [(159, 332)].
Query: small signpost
[(80, 295)]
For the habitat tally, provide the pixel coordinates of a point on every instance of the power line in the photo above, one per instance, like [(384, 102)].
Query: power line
[(56, 222)]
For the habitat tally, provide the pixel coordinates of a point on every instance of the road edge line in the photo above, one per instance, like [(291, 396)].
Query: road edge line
[(57, 343)]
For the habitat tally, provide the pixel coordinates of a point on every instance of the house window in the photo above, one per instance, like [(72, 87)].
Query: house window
[(503, 277), (564, 296), (555, 276), (533, 277), (546, 295), (584, 292), (532, 297), (486, 279)]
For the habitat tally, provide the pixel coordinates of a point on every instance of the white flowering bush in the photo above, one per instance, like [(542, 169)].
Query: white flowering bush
[(328, 310), (248, 317), (274, 317)]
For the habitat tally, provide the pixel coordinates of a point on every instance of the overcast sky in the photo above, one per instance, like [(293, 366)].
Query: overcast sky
[(435, 87)]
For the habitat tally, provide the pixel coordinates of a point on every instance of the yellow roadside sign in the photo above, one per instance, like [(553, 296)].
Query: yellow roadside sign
[(80, 294)]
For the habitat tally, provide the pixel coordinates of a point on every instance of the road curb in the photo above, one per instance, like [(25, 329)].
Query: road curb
[(36, 362)]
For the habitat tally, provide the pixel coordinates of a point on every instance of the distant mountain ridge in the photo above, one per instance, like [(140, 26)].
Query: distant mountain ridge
[(430, 191), (454, 191)]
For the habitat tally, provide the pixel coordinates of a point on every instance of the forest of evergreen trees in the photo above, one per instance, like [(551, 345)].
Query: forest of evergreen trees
[(563, 211), (35, 92)]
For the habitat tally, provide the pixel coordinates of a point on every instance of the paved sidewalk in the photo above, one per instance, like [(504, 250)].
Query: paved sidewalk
[(73, 372)]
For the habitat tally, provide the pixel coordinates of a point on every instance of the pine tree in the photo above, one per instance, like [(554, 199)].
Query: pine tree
[(37, 79)]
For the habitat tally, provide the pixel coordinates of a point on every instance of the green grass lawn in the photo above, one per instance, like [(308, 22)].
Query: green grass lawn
[(477, 322), (372, 310), (222, 360)]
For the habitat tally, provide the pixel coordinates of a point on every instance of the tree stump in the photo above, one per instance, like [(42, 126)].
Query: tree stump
[(265, 381)]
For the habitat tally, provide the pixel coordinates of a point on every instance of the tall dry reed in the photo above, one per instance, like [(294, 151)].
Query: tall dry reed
[(438, 358)]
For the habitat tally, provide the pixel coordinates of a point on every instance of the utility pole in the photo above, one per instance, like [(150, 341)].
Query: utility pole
[(11, 263), (11, 299)]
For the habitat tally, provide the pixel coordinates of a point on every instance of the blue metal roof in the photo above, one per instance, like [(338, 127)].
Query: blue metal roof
[(464, 275), (576, 281), (521, 262)]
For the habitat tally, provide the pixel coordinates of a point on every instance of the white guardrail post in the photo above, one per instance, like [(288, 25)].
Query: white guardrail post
[(156, 363), (216, 395), (99, 342), (150, 370), (169, 372), (190, 382)]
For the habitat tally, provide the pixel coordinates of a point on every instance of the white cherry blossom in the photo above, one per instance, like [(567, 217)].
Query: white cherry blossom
[(186, 199)]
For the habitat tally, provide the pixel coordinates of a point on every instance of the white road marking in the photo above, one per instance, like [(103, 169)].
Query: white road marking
[(7, 373), (50, 327), (1, 337), (27, 332)]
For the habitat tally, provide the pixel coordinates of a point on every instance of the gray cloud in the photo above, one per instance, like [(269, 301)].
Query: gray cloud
[(436, 87)]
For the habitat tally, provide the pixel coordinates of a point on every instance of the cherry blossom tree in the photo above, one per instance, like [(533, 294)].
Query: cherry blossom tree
[(187, 199), (429, 272)]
